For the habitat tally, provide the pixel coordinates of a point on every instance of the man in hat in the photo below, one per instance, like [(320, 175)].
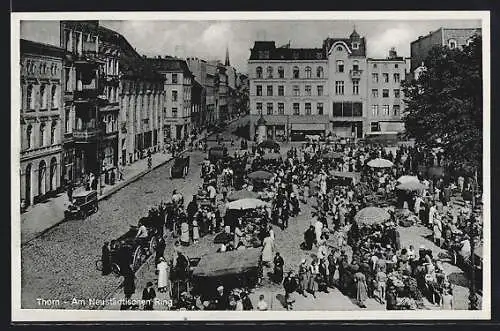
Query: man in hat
[(309, 237), (148, 294), (290, 285), (391, 298), (222, 299)]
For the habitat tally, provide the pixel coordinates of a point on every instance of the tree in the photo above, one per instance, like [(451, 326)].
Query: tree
[(444, 107)]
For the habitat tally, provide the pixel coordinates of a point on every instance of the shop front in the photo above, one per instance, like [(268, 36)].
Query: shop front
[(347, 129), (303, 131)]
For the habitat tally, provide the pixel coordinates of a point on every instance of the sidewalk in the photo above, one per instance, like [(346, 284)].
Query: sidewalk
[(45, 215)]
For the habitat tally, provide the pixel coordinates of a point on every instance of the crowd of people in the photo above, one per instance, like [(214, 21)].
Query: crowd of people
[(362, 260)]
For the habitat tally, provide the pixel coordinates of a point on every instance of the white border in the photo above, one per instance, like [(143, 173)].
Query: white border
[(24, 315)]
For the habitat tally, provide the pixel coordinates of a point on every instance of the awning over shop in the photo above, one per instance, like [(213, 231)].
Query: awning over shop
[(391, 126), (308, 126)]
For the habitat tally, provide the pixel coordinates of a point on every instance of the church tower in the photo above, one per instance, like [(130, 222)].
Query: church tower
[(227, 63)]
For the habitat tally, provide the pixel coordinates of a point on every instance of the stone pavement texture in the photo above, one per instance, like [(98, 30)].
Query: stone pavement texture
[(45, 215)]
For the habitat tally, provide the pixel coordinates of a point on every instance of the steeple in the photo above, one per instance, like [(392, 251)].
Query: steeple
[(354, 35), (227, 64)]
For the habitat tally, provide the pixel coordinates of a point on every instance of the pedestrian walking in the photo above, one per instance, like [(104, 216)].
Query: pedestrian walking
[(162, 269), (361, 289), (278, 268), (148, 294), (290, 285)]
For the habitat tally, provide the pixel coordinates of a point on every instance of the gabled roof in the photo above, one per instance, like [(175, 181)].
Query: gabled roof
[(266, 50), (361, 51), (170, 64), (33, 47)]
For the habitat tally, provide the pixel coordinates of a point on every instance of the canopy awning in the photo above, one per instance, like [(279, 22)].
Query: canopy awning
[(309, 126)]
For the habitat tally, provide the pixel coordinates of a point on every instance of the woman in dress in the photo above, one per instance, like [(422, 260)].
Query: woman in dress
[(267, 251), (313, 278), (303, 277), (196, 232), (162, 268), (184, 234), (361, 288)]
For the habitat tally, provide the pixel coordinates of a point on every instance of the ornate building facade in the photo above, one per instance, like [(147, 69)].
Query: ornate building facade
[(41, 129)]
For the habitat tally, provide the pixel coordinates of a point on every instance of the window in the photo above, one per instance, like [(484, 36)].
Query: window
[(355, 87), (374, 93), (296, 109), (42, 135), (296, 91), (43, 97), (375, 126), (339, 87), (339, 49), (259, 108), (374, 66), (374, 110), (396, 65), (396, 78), (30, 104), (269, 90), (347, 109), (452, 43), (258, 72), (396, 110), (308, 90), (174, 112), (53, 98), (385, 93), (281, 90), (174, 95), (259, 90), (385, 77), (319, 108), (53, 133), (281, 108), (397, 93), (281, 72), (319, 72), (29, 133), (308, 108), (375, 78), (174, 78), (269, 72), (308, 72), (269, 108), (355, 65), (67, 124), (320, 90), (385, 110), (295, 72), (355, 45), (340, 66)]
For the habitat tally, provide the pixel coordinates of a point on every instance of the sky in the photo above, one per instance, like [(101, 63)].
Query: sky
[(209, 39)]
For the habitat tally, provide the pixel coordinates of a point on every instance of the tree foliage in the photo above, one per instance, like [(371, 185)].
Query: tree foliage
[(444, 107)]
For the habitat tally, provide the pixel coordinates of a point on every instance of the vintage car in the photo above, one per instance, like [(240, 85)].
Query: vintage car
[(180, 167), (217, 153), (83, 204)]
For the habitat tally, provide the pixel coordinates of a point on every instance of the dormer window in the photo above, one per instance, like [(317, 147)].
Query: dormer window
[(355, 45), (452, 43)]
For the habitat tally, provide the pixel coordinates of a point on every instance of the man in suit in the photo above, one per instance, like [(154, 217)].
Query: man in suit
[(148, 294)]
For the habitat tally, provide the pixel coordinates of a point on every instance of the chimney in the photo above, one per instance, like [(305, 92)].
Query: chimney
[(392, 53)]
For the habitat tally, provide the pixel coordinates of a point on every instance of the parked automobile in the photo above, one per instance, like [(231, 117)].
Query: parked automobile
[(180, 167), (83, 204)]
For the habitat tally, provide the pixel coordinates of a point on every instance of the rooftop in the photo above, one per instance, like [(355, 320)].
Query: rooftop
[(33, 47)]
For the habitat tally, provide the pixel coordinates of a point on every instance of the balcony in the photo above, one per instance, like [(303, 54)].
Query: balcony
[(88, 135), (355, 74)]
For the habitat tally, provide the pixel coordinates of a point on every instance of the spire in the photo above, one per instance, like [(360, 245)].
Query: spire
[(227, 64), (354, 35)]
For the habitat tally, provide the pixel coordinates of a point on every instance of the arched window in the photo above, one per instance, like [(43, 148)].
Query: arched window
[(355, 65), (258, 72), (319, 72), (308, 72), (43, 97), (42, 135), (53, 133), (339, 49), (269, 72), (340, 66), (30, 100), (296, 74), (281, 72), (452, 43), (53, 96), (29, 136)]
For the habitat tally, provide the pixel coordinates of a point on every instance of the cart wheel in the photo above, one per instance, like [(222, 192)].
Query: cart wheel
[(98, 265), (96, 208), (137, 258), (115, 268), (84, 214), (152, 245)]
